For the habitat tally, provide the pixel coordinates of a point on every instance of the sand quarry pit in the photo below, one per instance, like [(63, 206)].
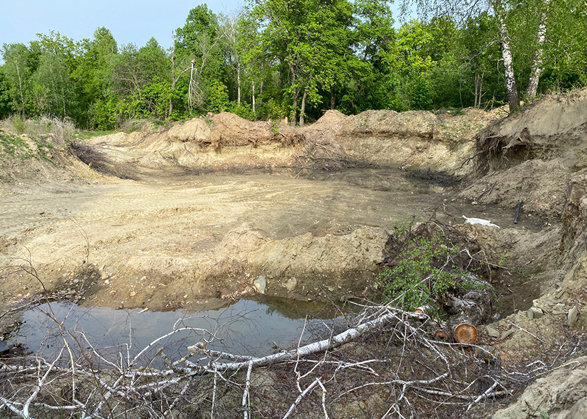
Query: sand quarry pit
[(219, 207), (193, 216), (184, 241), (204, 213)]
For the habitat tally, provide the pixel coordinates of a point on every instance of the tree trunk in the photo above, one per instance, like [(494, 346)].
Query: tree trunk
[(253, 99), (478, 89), (173, 79), (538, 58), (508, 61), (303, 110), (332, 98), (190, 88), (20, 89), (294, 101), (238, 82)]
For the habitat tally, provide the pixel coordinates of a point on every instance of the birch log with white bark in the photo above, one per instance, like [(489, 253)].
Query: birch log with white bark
[(302, 351)]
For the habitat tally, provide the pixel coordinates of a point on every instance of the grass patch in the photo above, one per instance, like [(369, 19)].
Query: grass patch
[(14, 147)]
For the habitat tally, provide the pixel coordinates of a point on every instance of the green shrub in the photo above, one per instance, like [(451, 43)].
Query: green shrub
[(423, 272), (16, 124)]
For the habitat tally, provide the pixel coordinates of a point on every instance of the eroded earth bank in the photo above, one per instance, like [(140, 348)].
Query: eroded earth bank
[(218, 208)]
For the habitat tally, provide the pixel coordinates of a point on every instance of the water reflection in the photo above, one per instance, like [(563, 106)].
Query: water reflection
[(247, 327)]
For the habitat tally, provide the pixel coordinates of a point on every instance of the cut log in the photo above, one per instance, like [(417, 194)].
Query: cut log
[(473, 304), (465, 333)]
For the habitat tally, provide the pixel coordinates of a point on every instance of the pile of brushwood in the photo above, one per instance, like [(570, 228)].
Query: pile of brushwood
[(385, 364), (435, 269), (400, 358)]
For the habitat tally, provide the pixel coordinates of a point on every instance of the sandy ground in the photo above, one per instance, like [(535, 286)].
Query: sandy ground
[(163, 231)]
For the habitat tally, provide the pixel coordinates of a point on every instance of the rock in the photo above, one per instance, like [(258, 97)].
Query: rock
[(535, 313), (572, 316), (491, 331), (562, 394), (507, 334), (260, 284)]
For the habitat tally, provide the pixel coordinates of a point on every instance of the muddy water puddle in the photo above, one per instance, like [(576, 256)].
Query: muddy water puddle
[(247, 327)]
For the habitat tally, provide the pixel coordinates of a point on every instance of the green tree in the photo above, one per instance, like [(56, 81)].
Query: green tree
[(197, 49), (308, 39), (95, 59), (94, 64), (565, 53), (53, 91), (18, 70), (5, 102), (508, 15)]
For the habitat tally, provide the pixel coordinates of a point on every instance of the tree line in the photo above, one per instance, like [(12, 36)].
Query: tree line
[(298, 58)]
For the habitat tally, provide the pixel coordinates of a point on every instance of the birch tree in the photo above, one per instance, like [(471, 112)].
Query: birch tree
[(463, 9), (197, 47)]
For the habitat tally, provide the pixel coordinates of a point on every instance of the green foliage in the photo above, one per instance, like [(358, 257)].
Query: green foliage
[(424, 271), (5, 102), (218, 100), (296, 58), (244, 111)]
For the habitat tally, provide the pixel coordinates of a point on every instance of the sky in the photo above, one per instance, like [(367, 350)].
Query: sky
[(130, 21)]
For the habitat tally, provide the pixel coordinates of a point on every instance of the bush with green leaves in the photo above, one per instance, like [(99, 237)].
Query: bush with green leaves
[(424, 271)]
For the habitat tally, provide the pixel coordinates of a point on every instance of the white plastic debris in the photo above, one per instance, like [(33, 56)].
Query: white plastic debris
[(479, 221)]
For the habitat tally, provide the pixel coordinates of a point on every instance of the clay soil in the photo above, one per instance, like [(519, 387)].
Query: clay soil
[(131, 227)]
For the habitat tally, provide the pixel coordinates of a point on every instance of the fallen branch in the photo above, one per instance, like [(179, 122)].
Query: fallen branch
[(300, 352)]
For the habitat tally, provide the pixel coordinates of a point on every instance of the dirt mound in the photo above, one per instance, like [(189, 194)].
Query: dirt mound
[(226, 141), (231, 129), (218, 142), (331, 118), (530, 156), (554, 127), (196, 130), (25, 162), (417, 139), (320, 142), (390, 123)]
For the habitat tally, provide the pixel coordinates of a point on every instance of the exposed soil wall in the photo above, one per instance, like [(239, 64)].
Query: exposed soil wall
[(531, 156), (537, 156), (417, 140)]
